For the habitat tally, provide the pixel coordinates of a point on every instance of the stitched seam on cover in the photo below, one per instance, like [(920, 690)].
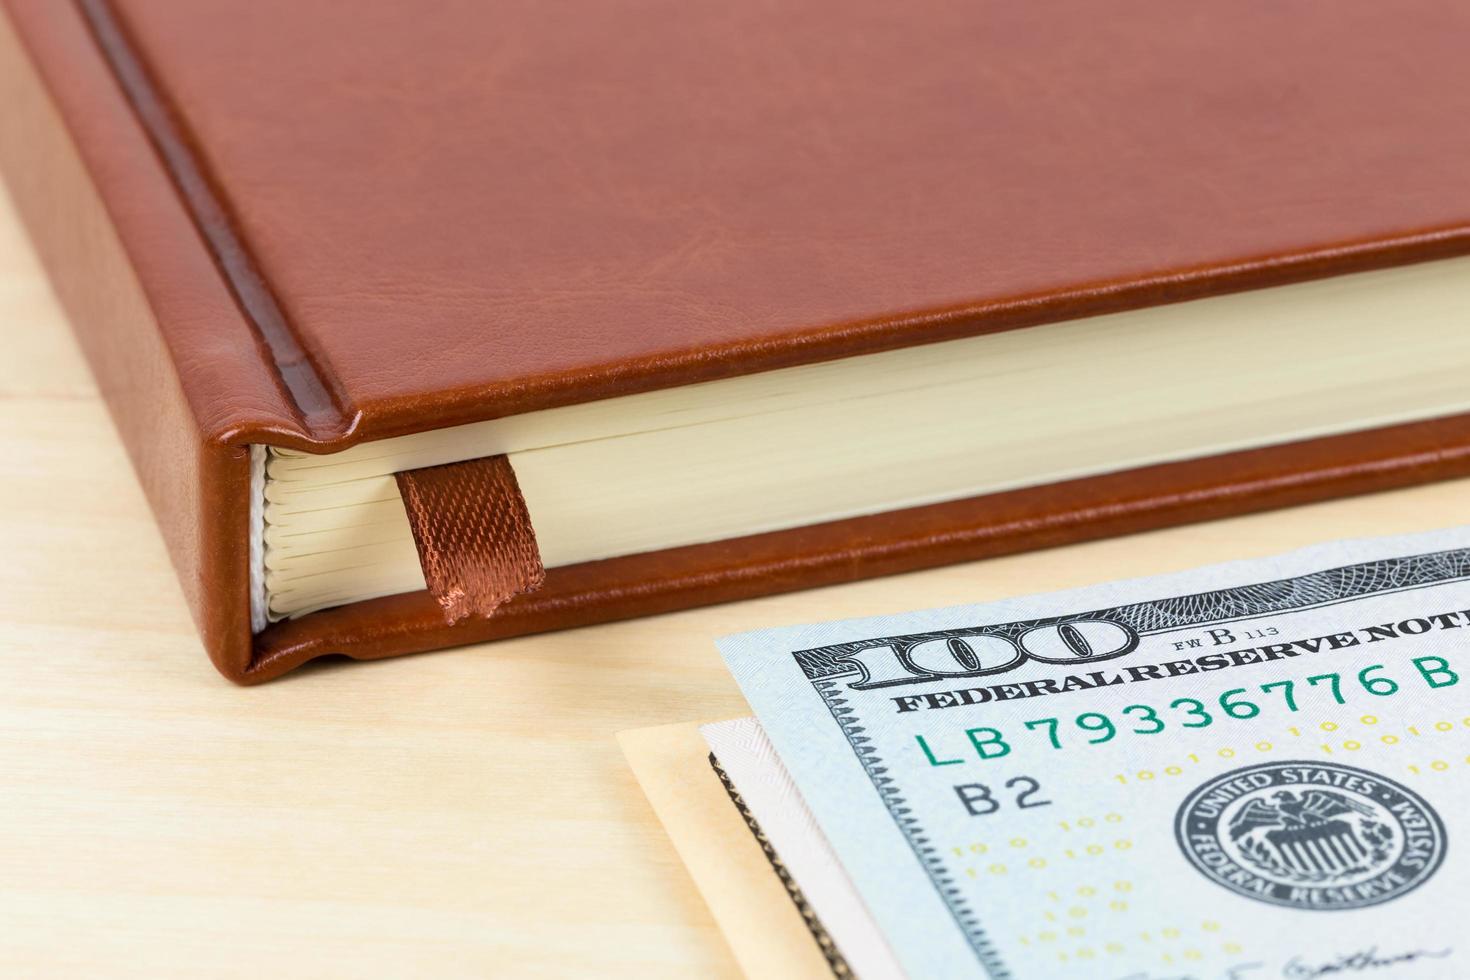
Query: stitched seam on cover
[(308, 391), (259, 611)]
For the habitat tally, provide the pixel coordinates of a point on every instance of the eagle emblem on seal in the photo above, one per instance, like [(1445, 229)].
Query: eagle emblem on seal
[(1316, 836)]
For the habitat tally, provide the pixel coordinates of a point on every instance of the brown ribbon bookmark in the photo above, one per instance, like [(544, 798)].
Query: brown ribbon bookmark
[(473, 534)]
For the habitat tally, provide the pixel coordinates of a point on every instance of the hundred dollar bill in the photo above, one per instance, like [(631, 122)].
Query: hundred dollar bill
[(1258, 769)]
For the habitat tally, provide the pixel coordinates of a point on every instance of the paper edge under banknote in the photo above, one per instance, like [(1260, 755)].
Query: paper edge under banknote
[(762, 926), (749, 760)]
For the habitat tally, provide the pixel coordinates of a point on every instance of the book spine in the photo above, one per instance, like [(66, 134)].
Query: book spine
[(166, 341)]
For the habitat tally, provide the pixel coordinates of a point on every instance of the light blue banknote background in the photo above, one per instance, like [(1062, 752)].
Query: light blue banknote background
[(1254, 770)]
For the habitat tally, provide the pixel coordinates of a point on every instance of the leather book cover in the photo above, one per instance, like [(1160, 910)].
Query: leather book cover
[(314, 225)]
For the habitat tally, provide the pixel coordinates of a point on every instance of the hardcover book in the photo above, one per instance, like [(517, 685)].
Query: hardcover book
[(431, 326)]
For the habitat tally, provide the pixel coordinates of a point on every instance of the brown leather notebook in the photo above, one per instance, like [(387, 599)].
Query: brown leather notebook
[(432, 325)]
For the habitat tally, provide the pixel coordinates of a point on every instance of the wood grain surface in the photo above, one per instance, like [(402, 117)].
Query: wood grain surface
[(463, 813)]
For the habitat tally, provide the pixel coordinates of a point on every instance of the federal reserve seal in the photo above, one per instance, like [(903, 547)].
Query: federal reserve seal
[(1311, 835)]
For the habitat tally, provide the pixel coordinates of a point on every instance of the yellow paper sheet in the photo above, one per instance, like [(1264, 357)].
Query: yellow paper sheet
[(748, 901)]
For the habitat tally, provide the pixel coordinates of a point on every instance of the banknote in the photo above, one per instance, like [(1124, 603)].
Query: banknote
[(1258, 769)]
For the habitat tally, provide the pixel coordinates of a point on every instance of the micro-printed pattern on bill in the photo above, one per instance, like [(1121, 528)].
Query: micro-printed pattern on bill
[(1156, 615)]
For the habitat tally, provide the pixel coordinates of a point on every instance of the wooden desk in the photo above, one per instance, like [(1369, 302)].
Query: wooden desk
[(456, 814)]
